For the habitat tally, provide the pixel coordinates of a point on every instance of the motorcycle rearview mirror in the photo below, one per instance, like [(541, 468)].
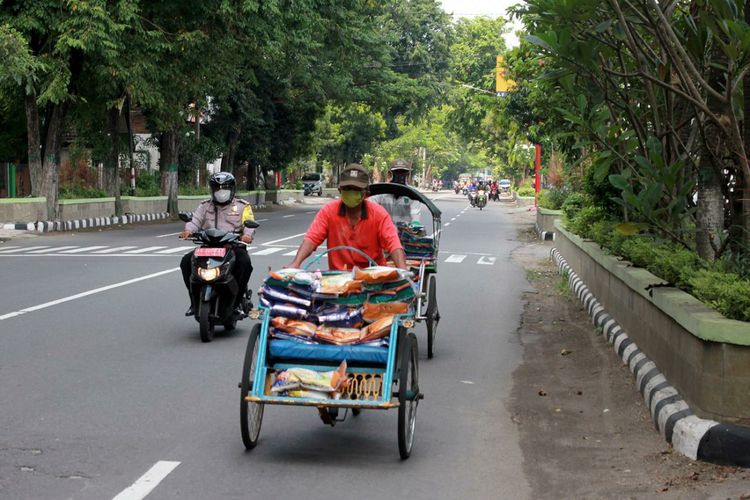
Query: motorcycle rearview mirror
[(184, 217), (251, 224)]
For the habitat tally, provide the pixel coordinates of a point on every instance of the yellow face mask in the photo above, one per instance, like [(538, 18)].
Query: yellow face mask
[(352, 198)]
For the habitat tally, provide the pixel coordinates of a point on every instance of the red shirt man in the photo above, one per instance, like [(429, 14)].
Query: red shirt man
[(355, 222)]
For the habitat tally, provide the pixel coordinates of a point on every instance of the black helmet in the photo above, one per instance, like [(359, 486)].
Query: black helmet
[(221, 181)]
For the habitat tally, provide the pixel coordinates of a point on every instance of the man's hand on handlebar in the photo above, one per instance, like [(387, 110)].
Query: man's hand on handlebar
[(246, 238), (185, 235)]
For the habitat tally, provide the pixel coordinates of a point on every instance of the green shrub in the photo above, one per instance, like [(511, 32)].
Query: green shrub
[(668, 261), (191, 190), (726, 292), (573, 204), (525, 191), (148, 183), (584, 220), (602, 232), (552, 198), (80, 192)]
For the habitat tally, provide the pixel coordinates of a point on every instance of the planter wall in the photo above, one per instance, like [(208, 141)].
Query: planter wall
[(705, 356), (23, 209), (86, 209), (285, 196), (545, 222)]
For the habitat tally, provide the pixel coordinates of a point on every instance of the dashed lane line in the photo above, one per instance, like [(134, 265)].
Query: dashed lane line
[(486, 261), (84, 294), (269, 243), (287, 216), (147, 482), (268, 251)]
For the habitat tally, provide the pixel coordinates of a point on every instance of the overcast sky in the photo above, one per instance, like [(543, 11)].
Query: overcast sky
[(492, 8)]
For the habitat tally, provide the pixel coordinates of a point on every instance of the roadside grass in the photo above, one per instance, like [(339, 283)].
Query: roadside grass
[(534, 275), (563, 288)]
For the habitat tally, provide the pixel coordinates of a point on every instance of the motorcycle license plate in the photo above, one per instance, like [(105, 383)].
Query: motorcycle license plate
[(210, 252)]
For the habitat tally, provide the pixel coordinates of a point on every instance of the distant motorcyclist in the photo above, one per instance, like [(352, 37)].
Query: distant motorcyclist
[(401, 208), (223, 211)]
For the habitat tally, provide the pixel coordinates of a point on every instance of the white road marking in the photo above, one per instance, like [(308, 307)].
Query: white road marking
[(467, 382), (287, 216), (85, 294), (487, 261), (84, 249), (170, 234), (447, 224), (8, 250), (453, 219), (177, 249), (290, 254), (268, 251), (54, 249), (261, 220), (268, 243), (114, 249), (456, 259), (4, 248), (144, 250), (147, 482)]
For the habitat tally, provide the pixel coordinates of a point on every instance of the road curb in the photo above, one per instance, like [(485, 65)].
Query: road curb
[(694, 437)]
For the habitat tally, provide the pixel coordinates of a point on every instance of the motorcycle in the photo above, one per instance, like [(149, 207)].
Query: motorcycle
[(434, 188), (473, 198), (456, 189), (465, 191), (494, 195), (481, 199), (212, 282)]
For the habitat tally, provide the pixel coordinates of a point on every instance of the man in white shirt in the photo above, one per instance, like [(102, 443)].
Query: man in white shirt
[(401, 208)]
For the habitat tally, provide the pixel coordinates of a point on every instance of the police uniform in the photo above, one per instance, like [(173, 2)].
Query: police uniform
[(228, 217)]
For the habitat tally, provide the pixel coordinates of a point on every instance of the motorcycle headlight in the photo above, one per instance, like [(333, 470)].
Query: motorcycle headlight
[(208, 274)]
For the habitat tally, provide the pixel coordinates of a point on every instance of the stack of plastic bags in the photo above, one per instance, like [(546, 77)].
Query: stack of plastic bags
[(344, 308), (418, 247), (336, 307)]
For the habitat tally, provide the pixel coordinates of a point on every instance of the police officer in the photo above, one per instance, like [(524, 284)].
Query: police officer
[(223, 211), (401, 208)]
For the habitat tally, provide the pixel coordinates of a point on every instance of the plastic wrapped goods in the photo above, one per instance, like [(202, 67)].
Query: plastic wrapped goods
[(342, 283), (273, 295), (326, 384), (373, 312), (294, 327)]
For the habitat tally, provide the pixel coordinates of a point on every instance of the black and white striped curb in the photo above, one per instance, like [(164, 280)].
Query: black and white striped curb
[(692, 436), (71, 225), (544, 235)]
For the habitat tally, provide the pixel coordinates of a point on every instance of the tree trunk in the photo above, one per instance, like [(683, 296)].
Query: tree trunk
[(168, 169), (34, 144), (743, 181), (229, 160), (252, 176), (48, 181), (112, 165), (710, 213)]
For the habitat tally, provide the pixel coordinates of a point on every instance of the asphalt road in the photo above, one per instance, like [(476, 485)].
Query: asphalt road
[(102, 378)]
